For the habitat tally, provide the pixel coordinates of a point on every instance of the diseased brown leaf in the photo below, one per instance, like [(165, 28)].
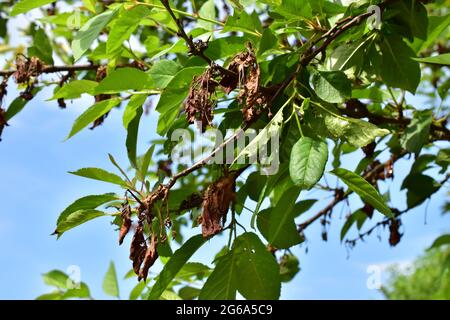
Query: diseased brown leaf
[(151, 255), (138, 249), (368, 210), (3, 122), (217, 200), (245, 74), (126, 221), (395, 235), (27, 68), (100, 75), (195, 200), (199, 104)]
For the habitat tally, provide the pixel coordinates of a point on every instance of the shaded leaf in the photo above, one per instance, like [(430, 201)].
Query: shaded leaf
[(396, 68), (277, 224), (417, 132), (332, 86)]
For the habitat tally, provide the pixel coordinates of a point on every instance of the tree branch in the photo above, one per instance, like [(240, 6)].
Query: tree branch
[(356, 109), (386, 220), (53, 69), (196, 49), (340, 195)]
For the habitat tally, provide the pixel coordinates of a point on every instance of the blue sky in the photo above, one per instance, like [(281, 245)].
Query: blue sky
[(35, 187)]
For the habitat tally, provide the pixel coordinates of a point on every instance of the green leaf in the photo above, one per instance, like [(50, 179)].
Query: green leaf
[(134, 105), (254, 185), (56, 278), (132, 136), (332, 86), (173, 95), (90, 5), (26, 5), (143, 170), (91, 114), (443, 159), (244, 22), (188, 293), (18, 104), (277, 224), (75, 219), (420, 187), (308, 159), (248, 268), (123, 27), (163, 71), (268, 41), (442, 59), (42, 47), (364, 189), (89, 32), (259, 274), (222, 283), (88, 202), (81, 292), (123, 79), (74, 89), (410, 18), (100, 174), (436, 26), (440, 241), (417, 132), (294, 9), (207, 10), (289, 267), (356, 132), (358, 216), (137, 290), (15, 107), (175, 263), (348, 55), (271, 129), (110, 283), (396, 68), (225, 47)]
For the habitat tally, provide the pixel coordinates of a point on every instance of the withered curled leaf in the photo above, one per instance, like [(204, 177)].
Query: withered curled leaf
[(368, 210), (195, 200), (199, 104), (27, 68), (138, 249), (151, 255), (3, 122), (216, 202), (395, 235), (245, 74), (126, 221)]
